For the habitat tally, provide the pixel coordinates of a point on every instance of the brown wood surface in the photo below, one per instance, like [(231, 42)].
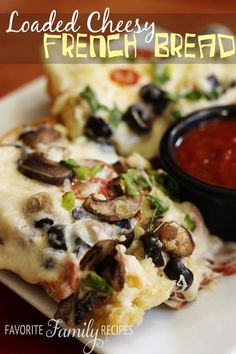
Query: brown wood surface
[(14, 75)]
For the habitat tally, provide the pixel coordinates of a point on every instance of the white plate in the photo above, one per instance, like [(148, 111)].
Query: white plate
[(206, 326)]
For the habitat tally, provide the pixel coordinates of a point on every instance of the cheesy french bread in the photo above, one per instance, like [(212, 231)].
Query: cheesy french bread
[(105, 236)]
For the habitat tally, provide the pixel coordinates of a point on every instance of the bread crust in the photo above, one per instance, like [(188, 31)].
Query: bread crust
[(13, 133)]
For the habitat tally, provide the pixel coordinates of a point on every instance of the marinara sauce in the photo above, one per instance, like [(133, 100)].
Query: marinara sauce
[(208, 153)]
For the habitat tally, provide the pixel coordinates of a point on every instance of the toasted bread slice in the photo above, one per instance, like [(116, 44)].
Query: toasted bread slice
[(27, 203), (187, 87), (54, 215)]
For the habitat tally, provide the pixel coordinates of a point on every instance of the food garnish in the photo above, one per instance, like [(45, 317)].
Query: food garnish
[(68, 201), (138, 118), (190, 224), (175, 239), (42, 135), (99, 284), (38, 167), (176, 270), (56, 237), (123, 207), (152, 248)]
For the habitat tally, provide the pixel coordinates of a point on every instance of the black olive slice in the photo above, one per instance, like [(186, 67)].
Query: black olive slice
[(152, 248), (79, 243), (85, 305), (56, 237), (176, 270), (97, 129), (152, 94), (129, 237), (40, 224), (138, 118), (74, 309), (49, 263), (123, 224), (79, 214)]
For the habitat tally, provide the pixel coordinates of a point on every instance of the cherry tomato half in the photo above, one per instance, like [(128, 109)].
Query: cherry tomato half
[(124, 76)]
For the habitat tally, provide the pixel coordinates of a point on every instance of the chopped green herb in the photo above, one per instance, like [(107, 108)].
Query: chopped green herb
[(159, 205), (190, 224), (71, 163), (176, 114), (160, 73), (129, 184), (167, 185), (142, 182), (82, 173), (194, 95), (68, 201), (174, 97), (213, 95), (115, 116), (99, 284), (95, 169), (89, 95)]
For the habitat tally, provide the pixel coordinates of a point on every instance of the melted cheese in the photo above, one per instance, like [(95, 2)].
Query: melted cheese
[(24, 249), (206, 245), (68, 81)]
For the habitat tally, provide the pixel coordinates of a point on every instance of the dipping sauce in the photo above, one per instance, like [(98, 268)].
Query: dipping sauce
[(208, 153)]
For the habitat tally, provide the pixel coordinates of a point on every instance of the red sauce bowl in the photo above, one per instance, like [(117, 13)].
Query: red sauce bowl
[(216, 202)]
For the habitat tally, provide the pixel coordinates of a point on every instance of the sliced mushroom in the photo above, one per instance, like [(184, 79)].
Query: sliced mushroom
[(38, 202), (36, 166), (43, 135), (176, 239), (119, 208), (106, 260)]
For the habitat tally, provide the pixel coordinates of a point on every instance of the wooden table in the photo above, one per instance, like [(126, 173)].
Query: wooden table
[(13, 310), (13, 76)]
